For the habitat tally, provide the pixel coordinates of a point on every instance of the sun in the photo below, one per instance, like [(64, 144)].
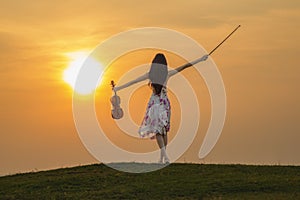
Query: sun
[(92, 71)]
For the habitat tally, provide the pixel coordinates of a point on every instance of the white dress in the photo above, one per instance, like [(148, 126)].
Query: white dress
[(157, 116)]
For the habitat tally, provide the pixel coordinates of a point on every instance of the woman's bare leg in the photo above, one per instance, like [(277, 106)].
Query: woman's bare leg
[(165, 137), (161, 143), (160, 140)]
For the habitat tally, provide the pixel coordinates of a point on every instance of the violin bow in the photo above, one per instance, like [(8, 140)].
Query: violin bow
[(200, 59), (224, 39)]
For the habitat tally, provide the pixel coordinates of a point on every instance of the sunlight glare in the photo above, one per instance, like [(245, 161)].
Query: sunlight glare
[(77, 59)]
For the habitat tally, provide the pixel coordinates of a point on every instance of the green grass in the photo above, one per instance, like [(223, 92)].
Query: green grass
[(177, 181)]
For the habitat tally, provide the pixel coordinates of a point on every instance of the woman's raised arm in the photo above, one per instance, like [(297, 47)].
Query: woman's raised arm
[(139, 79), (179, 69)]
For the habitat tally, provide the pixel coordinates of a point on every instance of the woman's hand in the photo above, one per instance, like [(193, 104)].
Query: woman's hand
[(115, 89), (204, 58)]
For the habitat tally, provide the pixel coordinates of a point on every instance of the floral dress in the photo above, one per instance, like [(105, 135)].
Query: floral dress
[(157, 117)]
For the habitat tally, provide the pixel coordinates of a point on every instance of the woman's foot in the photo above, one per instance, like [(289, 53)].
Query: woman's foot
[(167, 161), (161, 161)]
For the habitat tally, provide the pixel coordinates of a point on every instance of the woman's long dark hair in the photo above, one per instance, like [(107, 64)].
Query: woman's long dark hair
[(158, 72)]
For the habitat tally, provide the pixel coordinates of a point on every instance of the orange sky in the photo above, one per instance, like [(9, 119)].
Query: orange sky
[(259, 66)]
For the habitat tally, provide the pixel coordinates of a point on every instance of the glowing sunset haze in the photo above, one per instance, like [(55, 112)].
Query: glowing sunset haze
[(44, 43)]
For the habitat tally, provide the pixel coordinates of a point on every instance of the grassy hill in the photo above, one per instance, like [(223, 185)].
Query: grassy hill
[(177, 181)]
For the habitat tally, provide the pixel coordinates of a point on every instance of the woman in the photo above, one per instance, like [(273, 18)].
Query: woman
[(156, 123)]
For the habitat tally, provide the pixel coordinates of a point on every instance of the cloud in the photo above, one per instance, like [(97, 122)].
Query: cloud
[(11, 50), (95, 15)]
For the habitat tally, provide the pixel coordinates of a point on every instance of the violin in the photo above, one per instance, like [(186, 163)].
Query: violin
[(116, 112)]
